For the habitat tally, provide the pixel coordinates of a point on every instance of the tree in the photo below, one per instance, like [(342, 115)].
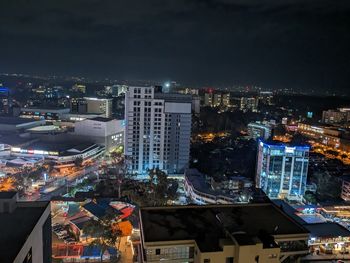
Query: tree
[(310, 198), (104, 231), (160, 189), (120, 171)]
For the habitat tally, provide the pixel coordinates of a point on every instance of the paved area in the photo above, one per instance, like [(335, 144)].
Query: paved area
[(125, 248), (327, 258)]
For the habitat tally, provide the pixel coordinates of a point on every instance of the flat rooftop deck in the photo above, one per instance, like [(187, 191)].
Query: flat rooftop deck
[(206, 224)]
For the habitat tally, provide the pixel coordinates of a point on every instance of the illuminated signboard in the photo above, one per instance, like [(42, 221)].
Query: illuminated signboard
[(15, 149), (31, 151), (290, 149)]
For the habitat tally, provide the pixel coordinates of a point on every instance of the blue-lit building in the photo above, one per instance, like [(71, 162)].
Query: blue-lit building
[(157, 130), (281, 171)]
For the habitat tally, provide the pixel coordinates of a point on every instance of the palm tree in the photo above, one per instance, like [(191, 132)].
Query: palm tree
[(119, 163), (161, 188), (103, 231)]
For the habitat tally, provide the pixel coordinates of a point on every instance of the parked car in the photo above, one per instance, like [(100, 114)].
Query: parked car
[(57, 228)]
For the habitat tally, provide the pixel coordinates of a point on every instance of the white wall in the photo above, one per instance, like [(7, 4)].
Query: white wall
[(98, 128), (172, 107)]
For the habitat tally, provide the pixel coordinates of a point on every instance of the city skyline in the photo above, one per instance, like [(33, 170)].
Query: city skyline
[(205, 131)]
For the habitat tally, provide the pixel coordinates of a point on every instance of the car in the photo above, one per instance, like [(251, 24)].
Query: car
[(68, 237), (57, 231), (62, 234), (57, 228)]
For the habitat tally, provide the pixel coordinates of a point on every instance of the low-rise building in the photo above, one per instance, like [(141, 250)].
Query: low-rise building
[(341, 115), (259, 130), (63, 154), (249, 104), (25, 230), (345, 189), (327, 239), (220, 234), (44, 113), (202, 190), (327, 135), (106, 131), (99, 106)]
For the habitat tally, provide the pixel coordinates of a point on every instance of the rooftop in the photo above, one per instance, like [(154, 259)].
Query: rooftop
[(327, 230), (207, 224), (65, 148), (315, 226), (100, 208), (15, 227), (173, 97), (15, 120), (14, 139), (275, 144), (7, 195), (102, 119), (46, 108), (199, 183)]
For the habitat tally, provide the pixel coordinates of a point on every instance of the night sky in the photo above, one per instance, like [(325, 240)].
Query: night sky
[(273, 44)]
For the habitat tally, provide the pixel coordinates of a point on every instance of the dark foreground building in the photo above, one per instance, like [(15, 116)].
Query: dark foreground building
[(25, 230), (220, 234)]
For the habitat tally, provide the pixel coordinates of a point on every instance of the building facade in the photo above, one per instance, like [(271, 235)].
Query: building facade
[(217, 99), (281, 171), (259, 130), (340, 115), (220, 234), (25, 230), (99, 106), (345, 189), (43, 113), (325, 135), (78, 105), (208, 99), (249, 104), (202, 191), (158, 130), (106, 131)]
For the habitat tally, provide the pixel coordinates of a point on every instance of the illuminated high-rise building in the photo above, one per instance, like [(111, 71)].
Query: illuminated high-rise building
[(99, 106), (78, 105), (158, 130), (259, 130), (79, 88), (249, 104), (208, 99), (226, 99), (122, 89), (281, 171), (217, 100)]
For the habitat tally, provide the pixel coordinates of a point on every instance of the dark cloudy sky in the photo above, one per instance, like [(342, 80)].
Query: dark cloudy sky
[(281, 43)]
